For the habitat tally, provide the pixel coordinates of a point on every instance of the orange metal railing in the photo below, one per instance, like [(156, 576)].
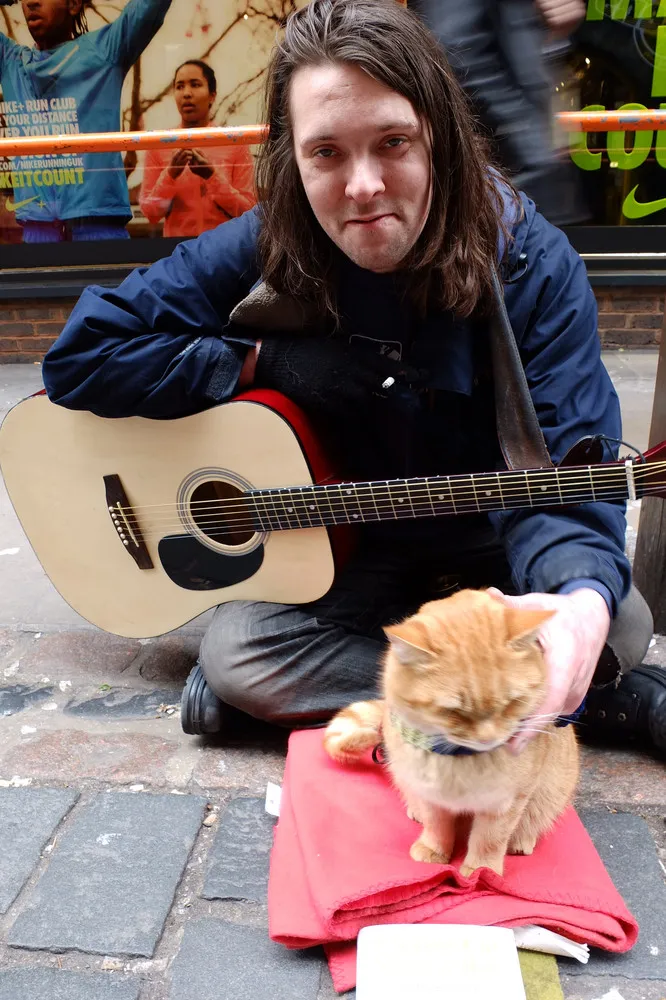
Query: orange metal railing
[(102, 142)]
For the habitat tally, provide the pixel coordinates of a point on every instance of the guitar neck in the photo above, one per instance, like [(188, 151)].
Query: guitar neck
[(436, 496)]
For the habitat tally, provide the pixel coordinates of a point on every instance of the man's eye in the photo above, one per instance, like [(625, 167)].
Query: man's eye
[(325, 153), (395, 141)]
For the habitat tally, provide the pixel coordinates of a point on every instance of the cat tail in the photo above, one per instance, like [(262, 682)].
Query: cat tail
[(354, 730)]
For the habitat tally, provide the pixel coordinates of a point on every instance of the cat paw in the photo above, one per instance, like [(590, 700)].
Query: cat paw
[(522, 846), (421, 852), (413, 814), (468, 868)]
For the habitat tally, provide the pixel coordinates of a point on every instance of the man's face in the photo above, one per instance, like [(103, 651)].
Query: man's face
[(364, 159), (50, 21)]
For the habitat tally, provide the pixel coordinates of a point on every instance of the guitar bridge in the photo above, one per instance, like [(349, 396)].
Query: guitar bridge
[(125, 522)]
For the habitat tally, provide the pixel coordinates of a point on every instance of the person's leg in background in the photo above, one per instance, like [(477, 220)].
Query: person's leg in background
[(98, 228), (44, 232)]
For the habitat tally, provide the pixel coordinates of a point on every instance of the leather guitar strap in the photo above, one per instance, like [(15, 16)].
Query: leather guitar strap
[(520, 436)]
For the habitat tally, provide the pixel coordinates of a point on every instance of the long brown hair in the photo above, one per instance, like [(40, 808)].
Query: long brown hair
[(450, 263)]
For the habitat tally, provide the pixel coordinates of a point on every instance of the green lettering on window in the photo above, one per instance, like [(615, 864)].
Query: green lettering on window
[(619, 9), (625, 159), (659, 68), (578, 149)]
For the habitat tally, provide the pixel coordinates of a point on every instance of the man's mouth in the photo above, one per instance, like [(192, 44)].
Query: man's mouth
[(368, 220)]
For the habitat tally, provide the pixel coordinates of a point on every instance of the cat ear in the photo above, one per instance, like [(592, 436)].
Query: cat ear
[(523, 624), (405, 644)]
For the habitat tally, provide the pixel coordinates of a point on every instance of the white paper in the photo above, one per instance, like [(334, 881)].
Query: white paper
[(273, 799), (533, 938), (437, 962)]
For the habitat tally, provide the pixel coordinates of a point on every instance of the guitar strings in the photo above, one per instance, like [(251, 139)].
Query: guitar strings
[(416, 487), (323, 519), (261, 503), (423, 502)]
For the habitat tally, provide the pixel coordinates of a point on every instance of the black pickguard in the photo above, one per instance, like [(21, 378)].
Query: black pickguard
[(193, 566)]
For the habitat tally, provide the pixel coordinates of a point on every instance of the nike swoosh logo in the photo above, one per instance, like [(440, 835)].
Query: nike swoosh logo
[(633, 209), (12, 206)]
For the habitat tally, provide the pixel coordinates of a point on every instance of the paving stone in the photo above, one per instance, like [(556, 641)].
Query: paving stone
[(123, 703), (16, 698), (117, 866), (626, 848), (327, 990), (28, 817), (12, 644), (621, 777), (656, 654), (73, 755), (239, 857), (611, 988), (236, 767), (231, 962), (67, 654), (170, 658), (55, 984)]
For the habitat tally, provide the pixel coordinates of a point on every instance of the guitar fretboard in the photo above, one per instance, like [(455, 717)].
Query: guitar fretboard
[(434, 496)]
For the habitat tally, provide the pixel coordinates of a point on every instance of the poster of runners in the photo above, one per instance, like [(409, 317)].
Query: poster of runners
[(70, 66)]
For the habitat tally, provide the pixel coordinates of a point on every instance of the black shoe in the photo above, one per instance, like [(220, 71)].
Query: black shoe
[(201, 711), (634, 711)]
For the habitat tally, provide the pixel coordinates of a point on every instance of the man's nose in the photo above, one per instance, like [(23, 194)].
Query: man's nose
[(364, 181)]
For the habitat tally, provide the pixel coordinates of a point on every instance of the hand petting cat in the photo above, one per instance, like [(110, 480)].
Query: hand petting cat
[(572, 641)]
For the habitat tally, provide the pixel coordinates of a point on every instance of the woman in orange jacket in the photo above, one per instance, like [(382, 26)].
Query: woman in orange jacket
[(193, 190)]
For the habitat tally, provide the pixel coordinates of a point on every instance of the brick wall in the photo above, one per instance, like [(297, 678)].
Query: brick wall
[(628, 317), (28, 327)]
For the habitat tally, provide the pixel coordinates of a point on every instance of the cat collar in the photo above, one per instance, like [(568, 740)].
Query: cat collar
[(424, 741), (439, 744)]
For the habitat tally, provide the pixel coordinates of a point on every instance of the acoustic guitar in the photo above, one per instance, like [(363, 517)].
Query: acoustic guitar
[(142, 524)]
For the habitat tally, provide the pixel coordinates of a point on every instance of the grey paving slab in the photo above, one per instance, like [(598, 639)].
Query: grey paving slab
[(28, 817), (231, 962), (123, 703), (627, 849), (117, 867), (239, 857), (611, 988), (54, 984), (16, 697)]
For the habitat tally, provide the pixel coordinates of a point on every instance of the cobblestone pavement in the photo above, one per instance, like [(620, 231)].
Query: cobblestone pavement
[(134, 859)]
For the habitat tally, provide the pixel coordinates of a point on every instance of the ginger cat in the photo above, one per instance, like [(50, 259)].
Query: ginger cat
[(466, 670)]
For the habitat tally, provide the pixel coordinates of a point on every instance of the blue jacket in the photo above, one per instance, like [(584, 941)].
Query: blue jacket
[(150, 347)]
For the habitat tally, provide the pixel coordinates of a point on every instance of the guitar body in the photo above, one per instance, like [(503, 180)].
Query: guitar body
[(167, 469), (144, 524)]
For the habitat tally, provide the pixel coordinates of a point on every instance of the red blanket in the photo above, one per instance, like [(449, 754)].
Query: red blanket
[(341, 861)]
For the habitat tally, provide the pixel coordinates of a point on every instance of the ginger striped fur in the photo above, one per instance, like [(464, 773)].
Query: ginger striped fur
[(468, 669), (354, 730)]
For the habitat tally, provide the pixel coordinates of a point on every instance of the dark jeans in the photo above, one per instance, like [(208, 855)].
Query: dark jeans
[(84, 230), (298, 665)]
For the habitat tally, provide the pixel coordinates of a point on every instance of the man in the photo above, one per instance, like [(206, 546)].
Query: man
[(379, 225), (500, 51), (70, 82)]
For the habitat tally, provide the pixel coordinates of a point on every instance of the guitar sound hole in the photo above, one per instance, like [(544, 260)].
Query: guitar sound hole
[(219, 511)]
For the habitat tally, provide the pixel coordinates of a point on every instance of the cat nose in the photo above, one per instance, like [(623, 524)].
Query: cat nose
[(486, 732)]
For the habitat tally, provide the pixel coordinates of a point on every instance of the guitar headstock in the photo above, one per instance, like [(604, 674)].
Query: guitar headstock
[(650, 476)]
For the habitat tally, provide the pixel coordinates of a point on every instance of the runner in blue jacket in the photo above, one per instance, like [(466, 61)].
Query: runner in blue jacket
[(381, 185), (72, 82)]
